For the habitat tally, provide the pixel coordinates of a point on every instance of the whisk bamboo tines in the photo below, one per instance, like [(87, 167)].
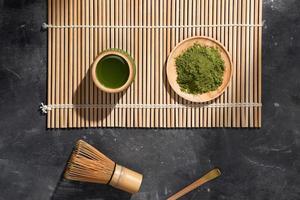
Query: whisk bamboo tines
[(87, 164)]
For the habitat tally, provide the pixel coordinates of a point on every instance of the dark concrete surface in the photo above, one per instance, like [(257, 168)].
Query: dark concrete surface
[(256, 164)]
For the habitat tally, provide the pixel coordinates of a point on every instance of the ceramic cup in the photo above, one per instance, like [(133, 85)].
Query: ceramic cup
[(113, 71)]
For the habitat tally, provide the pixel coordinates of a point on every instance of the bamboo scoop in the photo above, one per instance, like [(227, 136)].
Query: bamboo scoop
[(87, 164), (207, 177)]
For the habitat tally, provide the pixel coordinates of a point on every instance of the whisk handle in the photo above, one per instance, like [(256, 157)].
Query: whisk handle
[(126, 179)]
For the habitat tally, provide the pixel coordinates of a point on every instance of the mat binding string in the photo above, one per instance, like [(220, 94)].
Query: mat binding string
[(49, 26), (45, 108)]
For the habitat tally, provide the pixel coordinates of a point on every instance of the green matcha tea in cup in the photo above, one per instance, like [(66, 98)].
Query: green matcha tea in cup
[(113, 71)]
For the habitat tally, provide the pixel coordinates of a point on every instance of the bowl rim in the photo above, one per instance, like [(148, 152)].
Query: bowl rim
[(130, 66), (193, 97)]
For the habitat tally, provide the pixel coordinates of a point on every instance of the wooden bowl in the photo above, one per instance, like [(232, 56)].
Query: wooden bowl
[(172, 72), (131, 66)]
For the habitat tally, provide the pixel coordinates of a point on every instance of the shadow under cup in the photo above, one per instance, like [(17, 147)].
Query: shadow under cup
[(113, 71)]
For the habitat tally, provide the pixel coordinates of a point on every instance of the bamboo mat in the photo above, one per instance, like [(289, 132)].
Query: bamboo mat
[(78, 30)]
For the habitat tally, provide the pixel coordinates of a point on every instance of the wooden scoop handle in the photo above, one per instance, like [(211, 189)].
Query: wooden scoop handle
[(207, 177)]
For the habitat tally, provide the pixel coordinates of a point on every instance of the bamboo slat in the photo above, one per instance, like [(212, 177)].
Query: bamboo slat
[(61, 63), (58, 117), (50, 50), (219, 19), (71, 64), (149, 37)]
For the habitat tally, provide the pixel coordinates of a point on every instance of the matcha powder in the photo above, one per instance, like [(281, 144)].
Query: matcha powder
[(200, 69)]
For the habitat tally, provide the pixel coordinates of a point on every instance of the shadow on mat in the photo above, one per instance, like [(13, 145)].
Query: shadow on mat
[(88, 94)]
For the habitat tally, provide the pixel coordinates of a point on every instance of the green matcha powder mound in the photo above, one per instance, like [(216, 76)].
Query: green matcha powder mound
[(200, 69)]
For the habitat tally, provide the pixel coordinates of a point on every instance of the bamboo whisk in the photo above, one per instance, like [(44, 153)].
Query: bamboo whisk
[(87, 164)]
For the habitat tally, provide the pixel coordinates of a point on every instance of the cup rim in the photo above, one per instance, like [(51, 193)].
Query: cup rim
[(130, 66)]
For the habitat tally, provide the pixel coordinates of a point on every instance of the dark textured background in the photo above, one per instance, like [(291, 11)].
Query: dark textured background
[(256, 164)]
